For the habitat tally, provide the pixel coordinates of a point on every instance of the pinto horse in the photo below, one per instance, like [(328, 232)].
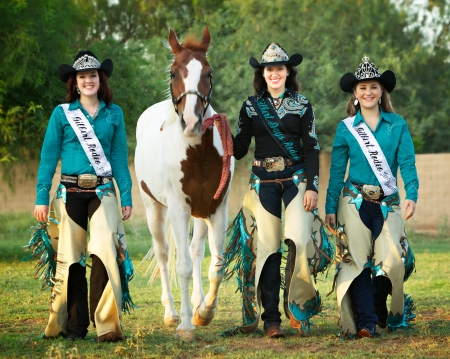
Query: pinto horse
[(184, 169)]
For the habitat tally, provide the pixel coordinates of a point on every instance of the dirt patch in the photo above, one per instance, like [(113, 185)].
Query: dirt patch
[(32, 321), (433, 315)]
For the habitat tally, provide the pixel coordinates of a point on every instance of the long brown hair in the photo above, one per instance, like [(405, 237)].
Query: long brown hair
[(104, 92), (386, 104), (259, 82)]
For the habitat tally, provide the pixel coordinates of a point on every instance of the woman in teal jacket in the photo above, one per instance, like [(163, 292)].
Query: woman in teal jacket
[(88, 135), (366, 207)]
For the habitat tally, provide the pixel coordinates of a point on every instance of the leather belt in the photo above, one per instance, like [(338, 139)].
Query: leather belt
[(262, 163), (78, 190), (86, 180)]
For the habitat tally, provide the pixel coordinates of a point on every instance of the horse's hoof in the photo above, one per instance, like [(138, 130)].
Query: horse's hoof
[(187, 335), (198, 320), (174, 319)]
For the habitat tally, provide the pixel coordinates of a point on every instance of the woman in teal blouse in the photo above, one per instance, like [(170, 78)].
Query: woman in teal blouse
[(366, 207), (88, 134)]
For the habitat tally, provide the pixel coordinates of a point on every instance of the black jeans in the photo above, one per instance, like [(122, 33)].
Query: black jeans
[(80, 208), (270, 195), (362, 292)]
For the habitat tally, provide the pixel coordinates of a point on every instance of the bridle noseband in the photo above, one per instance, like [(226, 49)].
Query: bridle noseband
[(205, 99)]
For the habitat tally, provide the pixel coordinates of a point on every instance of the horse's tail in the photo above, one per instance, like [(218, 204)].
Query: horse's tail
[(153, 267)]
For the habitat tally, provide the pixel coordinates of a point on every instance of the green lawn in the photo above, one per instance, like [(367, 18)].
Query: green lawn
[(24, 313)]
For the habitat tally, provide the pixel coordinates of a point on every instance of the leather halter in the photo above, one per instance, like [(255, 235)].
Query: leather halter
[(205, 99)]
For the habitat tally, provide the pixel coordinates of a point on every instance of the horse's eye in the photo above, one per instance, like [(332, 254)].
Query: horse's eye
[(172, 75)]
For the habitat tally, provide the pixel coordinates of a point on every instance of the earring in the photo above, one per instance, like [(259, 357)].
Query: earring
[(355, 102), (78, 91), (379, 100)]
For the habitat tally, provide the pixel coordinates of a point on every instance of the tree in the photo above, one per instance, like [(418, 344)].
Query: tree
[(35, 37)]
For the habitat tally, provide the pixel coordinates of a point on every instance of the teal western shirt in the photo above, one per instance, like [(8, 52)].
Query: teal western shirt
[(61, 142), (393, 136)]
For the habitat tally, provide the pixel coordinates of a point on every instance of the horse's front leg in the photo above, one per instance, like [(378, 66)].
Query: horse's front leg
[(197, 251), (217, 226), (179, 220), (156, 217)]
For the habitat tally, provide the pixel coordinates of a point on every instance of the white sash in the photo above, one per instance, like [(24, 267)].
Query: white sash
[(374, 155), (89, 141)]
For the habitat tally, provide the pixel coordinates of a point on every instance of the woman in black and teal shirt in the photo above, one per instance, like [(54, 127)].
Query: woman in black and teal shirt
[(88, 135), (285, 170), (366, 208)]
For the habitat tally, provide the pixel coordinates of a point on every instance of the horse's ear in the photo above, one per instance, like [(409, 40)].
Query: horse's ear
[(173, 42), (206, 38)]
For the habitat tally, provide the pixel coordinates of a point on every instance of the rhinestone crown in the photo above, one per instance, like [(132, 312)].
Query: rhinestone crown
[(367, 70), (274, 53), (86, 62)]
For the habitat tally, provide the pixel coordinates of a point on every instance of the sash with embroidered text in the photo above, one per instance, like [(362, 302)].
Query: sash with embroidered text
[(374, 155), (273, 125), (89, 141)]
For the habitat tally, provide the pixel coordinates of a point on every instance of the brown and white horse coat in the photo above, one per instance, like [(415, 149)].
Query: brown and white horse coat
[(179, 168)]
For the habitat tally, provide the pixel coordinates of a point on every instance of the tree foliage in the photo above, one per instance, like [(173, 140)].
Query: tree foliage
[(34, 38)]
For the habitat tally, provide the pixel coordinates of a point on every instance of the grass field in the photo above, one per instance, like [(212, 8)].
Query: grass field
[(24, 313)]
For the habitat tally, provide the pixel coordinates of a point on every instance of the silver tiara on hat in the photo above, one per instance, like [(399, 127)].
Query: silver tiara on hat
[(367, 70), (86, 62), (274, 53)]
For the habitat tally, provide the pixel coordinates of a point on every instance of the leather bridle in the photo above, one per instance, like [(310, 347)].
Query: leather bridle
[(205, 99)]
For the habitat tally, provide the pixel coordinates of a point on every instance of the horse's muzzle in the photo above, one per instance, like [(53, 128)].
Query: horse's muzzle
[(192, 128)]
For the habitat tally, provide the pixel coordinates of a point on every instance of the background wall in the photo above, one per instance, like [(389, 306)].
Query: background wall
[(433, 208)]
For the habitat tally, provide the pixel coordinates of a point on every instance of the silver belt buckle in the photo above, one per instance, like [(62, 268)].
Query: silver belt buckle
[(87, 181), (274, 164), (372, 192)]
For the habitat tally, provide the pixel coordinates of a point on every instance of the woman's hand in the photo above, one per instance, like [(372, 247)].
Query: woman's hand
[(41, 213), (330, 219), (310, 200), (410, 208), (126, 212)]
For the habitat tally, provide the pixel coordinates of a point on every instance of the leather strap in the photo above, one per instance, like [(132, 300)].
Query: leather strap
[(78, 190)]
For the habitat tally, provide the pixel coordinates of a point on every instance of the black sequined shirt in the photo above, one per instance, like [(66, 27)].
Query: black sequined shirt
[(297, 117)]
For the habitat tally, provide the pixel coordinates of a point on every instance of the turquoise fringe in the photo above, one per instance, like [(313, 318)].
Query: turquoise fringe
[(326, 251), (126, 270), (398, 321), (311, 307), (410, 263), (42, 250), (240, 251)]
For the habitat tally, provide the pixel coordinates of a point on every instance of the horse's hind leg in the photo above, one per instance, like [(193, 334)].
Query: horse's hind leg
[(217, 225), (156, 218), (197, 251)]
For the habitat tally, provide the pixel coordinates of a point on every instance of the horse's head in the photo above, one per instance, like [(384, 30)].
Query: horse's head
[(190, 81)]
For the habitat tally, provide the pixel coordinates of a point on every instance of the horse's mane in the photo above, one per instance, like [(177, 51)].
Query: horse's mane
[(191, 44)]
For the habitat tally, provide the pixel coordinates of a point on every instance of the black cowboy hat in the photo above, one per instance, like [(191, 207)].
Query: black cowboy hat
[(368, 71), (274, 54), (85, 61)]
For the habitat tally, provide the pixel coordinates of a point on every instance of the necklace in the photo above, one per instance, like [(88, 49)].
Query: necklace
[(277, 100), (94, 114)]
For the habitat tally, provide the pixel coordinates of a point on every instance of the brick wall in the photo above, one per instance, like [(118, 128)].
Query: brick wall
[(433, 207)]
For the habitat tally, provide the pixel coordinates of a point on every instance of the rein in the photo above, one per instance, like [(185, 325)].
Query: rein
[(205, 99), (223, 126)]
